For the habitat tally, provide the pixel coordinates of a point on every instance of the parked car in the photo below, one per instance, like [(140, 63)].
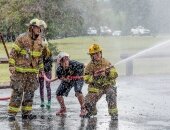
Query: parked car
[(104, 30), (139, 30), (92, 31), (117, 33)]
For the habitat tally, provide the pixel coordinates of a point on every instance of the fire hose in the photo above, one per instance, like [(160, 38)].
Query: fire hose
[(48, 80), (76, 77), (4, 98)]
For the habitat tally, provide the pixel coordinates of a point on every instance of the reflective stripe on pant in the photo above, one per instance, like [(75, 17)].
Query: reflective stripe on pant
[(16, 98), (27, 102), (111, 98), (15, 101), (113, 111), (91, 99), (111, 95), (23, 92)]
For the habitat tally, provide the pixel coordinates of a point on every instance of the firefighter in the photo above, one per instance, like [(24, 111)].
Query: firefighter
[(100, 76), (25, 63), (65, 69)]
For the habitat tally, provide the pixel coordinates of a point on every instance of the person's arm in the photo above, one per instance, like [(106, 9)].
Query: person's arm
[(112, 73), (79, 68), (50, 62), (47, 64), (59, 72), (88, 76), (41, 65), (16, 48)]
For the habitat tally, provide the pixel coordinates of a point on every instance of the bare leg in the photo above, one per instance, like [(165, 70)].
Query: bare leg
[(62, 110), (80, 98), (61, 101)]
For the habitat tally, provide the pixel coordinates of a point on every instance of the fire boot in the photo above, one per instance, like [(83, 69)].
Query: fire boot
[(30, 117), (62, 111), (11, 118)]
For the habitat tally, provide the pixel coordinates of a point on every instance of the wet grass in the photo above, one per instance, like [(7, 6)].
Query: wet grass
[(77, 47)]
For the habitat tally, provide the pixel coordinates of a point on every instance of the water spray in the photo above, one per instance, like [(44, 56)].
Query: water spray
[(142, 52)]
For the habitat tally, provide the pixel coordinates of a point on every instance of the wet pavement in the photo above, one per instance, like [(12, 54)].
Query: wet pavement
[(143, 103)]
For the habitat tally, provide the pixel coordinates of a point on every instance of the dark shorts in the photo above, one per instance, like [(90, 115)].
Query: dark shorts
[(65, 87)]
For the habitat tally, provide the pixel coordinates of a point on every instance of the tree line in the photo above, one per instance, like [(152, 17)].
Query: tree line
[(72, 17)]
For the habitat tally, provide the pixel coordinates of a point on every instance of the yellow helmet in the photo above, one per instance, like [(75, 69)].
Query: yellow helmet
[(94, 49)]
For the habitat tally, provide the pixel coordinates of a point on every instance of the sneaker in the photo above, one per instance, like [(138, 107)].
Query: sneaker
[(48, 105), (30, 117), (11, 118), (62, 111), (42, 104)]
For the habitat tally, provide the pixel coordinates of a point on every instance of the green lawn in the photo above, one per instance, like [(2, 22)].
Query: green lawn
[(77, 47)]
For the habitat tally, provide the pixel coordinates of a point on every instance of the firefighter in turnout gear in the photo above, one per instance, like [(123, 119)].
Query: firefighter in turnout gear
[(25, 63), (100, 76)]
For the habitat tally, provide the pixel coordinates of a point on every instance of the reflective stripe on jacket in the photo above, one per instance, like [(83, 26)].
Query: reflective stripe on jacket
[(100, 81), (26, 54)]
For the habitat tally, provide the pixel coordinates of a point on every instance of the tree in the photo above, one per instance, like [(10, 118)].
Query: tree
[(136, 12), (61, 21)]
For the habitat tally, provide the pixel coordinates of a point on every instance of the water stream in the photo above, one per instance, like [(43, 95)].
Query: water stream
[(156, 50)]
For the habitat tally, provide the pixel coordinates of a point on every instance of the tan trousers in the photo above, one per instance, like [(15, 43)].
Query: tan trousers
[(111, 97), (24, 86)]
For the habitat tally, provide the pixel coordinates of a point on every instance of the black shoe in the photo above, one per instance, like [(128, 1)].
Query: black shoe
[(30, 117), (11, 118)]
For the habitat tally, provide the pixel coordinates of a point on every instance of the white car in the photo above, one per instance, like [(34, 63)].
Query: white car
[(104, 30), (92, 31), (140, 31), (117, 33)]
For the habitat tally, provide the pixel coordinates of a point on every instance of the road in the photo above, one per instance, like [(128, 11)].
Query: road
[(143, 103)]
